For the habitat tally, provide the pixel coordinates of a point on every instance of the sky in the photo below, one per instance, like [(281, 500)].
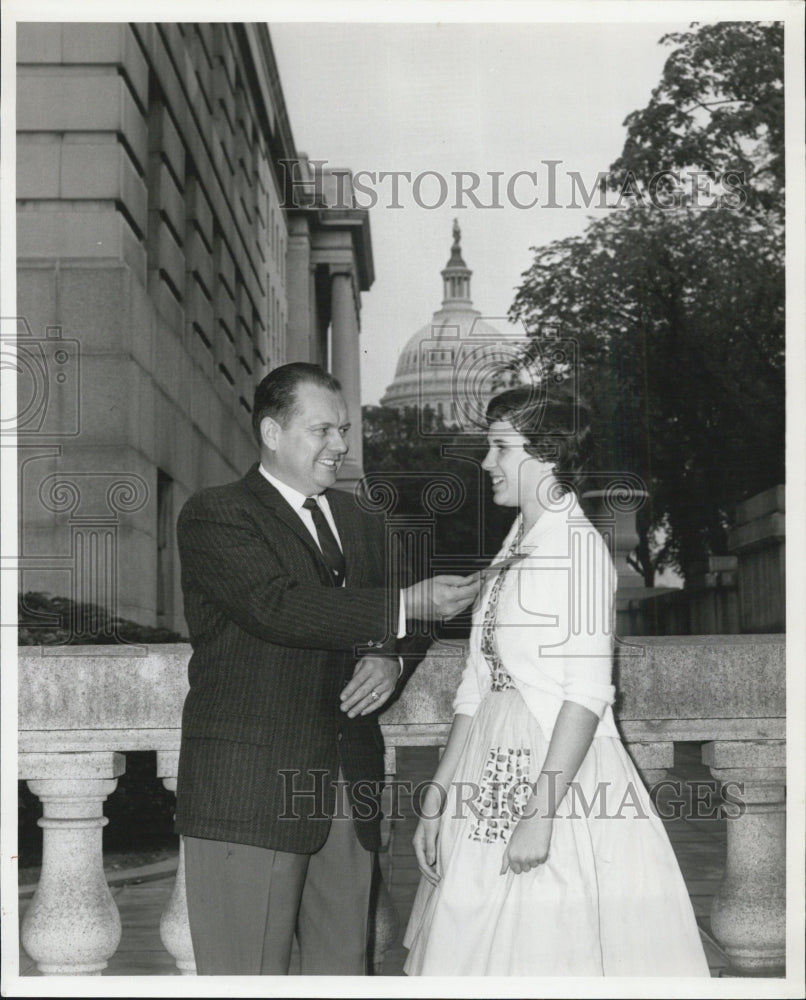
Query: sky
[(441, 98), (449, 97)]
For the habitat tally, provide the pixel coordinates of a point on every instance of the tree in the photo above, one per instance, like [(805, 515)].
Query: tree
[(719, 107), (677, 309), (431, 477)]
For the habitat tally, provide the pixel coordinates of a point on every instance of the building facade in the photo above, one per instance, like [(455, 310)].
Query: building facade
[(173, 247)]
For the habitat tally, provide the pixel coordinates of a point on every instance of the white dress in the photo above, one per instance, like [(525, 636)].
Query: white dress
[(610, 899)]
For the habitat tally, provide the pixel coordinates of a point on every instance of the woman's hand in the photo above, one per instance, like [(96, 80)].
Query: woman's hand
[(573, 733), (528, 846), (427, 833)]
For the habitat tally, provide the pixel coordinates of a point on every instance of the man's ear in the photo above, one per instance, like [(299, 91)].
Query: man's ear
[(269, 432)]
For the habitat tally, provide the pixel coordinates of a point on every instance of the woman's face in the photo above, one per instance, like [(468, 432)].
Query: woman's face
[(516, 476)]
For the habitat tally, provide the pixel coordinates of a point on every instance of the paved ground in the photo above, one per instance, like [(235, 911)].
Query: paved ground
[(699, 845)]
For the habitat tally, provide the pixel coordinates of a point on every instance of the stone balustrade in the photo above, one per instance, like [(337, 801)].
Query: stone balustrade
[(82, 708)]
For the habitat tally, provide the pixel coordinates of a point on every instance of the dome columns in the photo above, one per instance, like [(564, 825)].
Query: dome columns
[(456, 275), (453, 359)]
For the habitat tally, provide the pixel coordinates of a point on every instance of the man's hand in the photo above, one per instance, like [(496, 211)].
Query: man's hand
[(441, 596), (373, 681)]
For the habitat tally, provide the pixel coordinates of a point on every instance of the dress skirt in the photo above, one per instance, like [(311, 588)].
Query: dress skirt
[(609, 900)]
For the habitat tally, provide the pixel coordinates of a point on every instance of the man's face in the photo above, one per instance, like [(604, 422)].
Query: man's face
[(307, 452)]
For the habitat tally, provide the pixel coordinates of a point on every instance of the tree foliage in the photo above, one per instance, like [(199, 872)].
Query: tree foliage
[(719, 107), (677, 308), (433, 473)]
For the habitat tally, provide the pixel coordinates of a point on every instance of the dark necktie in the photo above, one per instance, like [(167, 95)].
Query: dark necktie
[(333, 556)]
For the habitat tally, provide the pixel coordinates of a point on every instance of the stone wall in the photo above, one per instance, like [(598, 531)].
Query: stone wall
[(151, 247)]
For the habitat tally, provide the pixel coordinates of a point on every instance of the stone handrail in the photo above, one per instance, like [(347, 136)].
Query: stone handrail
[(82, 707)]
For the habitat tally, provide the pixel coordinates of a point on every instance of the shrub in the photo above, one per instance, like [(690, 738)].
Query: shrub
[(44, 620)]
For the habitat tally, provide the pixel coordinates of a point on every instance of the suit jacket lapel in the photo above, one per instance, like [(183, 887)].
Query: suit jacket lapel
[(342, 506), (271, 498)]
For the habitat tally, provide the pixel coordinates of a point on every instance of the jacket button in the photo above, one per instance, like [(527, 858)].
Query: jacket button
[(340, 736)]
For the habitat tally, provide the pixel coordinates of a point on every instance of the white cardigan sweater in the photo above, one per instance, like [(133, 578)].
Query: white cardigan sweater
[(555, 621)]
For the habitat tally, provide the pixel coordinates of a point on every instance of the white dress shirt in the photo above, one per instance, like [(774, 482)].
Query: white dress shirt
[(296, 500)]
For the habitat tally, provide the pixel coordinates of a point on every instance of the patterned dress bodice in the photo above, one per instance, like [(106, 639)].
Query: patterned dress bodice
[(501, 681)]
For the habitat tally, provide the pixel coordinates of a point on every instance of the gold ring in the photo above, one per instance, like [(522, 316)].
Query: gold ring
[(374, 695)]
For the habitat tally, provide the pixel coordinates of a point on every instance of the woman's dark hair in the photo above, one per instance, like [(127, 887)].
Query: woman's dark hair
[(276, 394), (554, 420)]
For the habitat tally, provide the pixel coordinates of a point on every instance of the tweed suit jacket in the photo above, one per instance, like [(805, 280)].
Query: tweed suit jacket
[(274, 642)]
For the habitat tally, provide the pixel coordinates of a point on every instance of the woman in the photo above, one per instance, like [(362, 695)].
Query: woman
[(539, 849)]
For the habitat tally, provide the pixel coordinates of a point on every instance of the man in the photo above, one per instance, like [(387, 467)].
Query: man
[(281, 759)]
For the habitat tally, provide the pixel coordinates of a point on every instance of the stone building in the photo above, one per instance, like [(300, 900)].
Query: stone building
[(173, 247), (452, 363)]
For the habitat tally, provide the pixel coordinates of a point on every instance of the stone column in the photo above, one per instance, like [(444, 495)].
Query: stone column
[(748, 914), (174, 923), (346, 365), (302, 326), (72, 926)]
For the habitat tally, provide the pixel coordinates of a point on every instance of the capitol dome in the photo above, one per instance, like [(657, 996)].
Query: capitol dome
[(455, 362)]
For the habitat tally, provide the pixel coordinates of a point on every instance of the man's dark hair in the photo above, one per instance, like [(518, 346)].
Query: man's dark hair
[(554, 420), (276, 394)]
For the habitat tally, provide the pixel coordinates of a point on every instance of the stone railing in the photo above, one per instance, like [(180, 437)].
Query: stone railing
[(82, 708)]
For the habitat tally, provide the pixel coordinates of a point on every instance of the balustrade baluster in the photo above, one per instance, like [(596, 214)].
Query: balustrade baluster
[(74, 703), (748, 914), (72, 926), (174, 922)]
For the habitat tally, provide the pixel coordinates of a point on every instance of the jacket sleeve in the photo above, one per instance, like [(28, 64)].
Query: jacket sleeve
[(233, 565)]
